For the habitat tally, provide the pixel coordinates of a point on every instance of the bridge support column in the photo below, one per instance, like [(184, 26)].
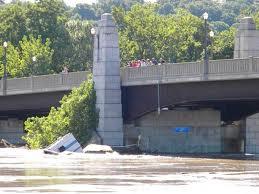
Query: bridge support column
[(12, 130), (106, 71), (247, 39), (252, 134)]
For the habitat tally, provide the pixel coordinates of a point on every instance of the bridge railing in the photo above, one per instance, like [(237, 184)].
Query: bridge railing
[(43, 83), (191, 71), (229, 66)]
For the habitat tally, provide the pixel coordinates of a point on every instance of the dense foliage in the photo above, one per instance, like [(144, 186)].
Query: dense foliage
[(145, 34), (77, 114), (68, 42), (19, 58)]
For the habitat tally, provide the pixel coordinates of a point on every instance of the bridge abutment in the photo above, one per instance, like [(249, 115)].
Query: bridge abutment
[(178, 131), (106, 71)]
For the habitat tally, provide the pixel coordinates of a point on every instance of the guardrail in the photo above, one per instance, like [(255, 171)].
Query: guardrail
[(193, 71), (43, 83)]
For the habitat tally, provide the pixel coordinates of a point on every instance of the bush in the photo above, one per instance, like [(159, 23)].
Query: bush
[(77, 114)]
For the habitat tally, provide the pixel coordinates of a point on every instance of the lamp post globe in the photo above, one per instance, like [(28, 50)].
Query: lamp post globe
[(5, 44), (34, 59), (205, 16), (93, 31), (211, 33)]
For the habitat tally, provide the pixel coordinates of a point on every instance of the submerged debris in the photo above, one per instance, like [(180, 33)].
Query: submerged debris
[(5, 144), (65, 143), (94, 148)]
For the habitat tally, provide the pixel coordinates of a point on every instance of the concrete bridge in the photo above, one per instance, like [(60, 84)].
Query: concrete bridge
[(230, 85), (173, 108), (36, 94), (173, 80)]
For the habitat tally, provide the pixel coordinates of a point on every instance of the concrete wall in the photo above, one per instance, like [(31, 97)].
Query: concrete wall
[(247, 39), (12, 131), (252, 134), (157, 132)]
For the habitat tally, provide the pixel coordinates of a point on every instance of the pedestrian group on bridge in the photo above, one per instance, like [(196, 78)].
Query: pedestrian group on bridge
[(145, 62)]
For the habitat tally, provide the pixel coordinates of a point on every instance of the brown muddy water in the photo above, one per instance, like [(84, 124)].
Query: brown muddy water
[(24, 171)]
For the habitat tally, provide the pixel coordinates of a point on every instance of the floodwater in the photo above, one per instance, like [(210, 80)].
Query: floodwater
[(24, 171)]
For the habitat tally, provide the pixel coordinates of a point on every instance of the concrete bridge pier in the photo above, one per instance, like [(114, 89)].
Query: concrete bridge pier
[(247, 39), (106, 71), (252, 134), (11, 129)]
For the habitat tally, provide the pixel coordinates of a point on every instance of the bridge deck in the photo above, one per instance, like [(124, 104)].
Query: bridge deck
[(229, 69)]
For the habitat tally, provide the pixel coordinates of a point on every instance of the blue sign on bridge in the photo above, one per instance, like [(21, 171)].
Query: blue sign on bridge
[(182, 129)]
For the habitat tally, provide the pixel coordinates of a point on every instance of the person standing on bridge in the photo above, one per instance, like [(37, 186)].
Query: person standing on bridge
[(65, 70)]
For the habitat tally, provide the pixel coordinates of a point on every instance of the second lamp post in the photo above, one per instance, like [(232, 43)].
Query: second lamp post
[(5, 69), (206, 58)]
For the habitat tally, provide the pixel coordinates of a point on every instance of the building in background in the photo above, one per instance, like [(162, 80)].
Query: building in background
[(220, 1)]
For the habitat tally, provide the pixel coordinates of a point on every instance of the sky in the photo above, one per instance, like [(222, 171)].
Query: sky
[(74, 2)]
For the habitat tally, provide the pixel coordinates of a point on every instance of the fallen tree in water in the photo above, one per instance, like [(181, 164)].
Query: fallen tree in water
[(77, 114)]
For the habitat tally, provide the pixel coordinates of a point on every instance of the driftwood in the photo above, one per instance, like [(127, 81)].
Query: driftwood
[(5, 144)]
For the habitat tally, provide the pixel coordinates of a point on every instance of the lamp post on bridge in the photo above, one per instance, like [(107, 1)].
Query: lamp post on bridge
[(34, 59), (206, 59), (211, 34), (96, 45), (5, 68)]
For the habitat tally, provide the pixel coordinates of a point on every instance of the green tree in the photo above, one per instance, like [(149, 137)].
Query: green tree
[(48, 18), (32, 47), (223, 44), (82, 45), (256, 18), (77, 114), (19, 59), (106, 6), (219, 26), (166, 9), (85, 12), (146, 34), (14, 65), (13, 22)]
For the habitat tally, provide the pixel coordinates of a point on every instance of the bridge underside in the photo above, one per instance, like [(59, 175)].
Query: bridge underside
[(24, 106), (235, 99)]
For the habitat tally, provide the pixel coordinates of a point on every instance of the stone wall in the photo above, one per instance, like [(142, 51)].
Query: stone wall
[(12, 131), (157, 133), (252, 134)]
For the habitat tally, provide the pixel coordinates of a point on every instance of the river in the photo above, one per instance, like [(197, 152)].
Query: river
[(27, 171)]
